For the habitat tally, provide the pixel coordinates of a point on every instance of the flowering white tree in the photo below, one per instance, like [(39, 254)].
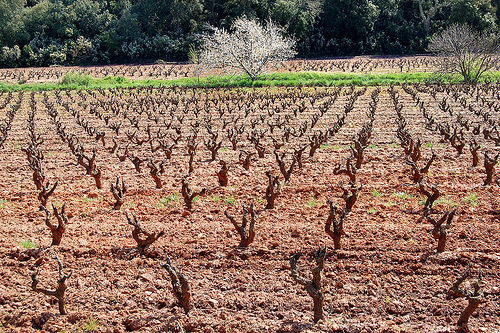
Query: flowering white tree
[(250, 48)]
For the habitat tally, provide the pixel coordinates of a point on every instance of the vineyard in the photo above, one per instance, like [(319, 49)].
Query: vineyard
[(176, 71), (180, 209)]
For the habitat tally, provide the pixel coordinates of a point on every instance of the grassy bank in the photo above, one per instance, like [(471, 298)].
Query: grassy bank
[(77, 81)]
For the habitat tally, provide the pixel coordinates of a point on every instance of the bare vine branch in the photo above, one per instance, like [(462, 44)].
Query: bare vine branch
[(61, 286), (313, 287)]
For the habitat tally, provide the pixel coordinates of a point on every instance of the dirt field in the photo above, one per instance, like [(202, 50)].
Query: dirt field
[(387, 278)]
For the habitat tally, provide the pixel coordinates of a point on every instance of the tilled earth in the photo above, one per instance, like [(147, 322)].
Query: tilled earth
[(387, 278)]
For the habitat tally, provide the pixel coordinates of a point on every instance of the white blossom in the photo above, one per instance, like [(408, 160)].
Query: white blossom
[(250, 48)]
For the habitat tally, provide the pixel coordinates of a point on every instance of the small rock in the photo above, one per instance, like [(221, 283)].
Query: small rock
[(295, 233), (213, 303), (130, 304), (398, 303), (133, 323), (146, 277), (223, 315), (41, 260), (189, 326)]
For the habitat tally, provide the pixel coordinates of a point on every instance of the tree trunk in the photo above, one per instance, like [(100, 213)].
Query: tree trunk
[(336, 241), (318, 309), (427, 26), (62, 309), (441, 244), (464, 317)]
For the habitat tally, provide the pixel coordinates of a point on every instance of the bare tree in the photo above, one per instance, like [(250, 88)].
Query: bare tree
[(45, 193), (350, 196), (465, 51), (474, 147), (281, 162), (154, 171), (338, 225), (245, 159), (90, 166), (418, 172), (431, 192), (250, 48)]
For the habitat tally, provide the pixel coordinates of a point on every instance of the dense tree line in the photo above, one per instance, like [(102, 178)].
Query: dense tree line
[(50, 32)]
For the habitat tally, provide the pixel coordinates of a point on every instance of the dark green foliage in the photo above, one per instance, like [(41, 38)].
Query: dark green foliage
[(69, 32), (479, 14)]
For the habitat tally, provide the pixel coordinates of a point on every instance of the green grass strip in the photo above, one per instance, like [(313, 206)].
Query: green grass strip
[(74, 81)]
